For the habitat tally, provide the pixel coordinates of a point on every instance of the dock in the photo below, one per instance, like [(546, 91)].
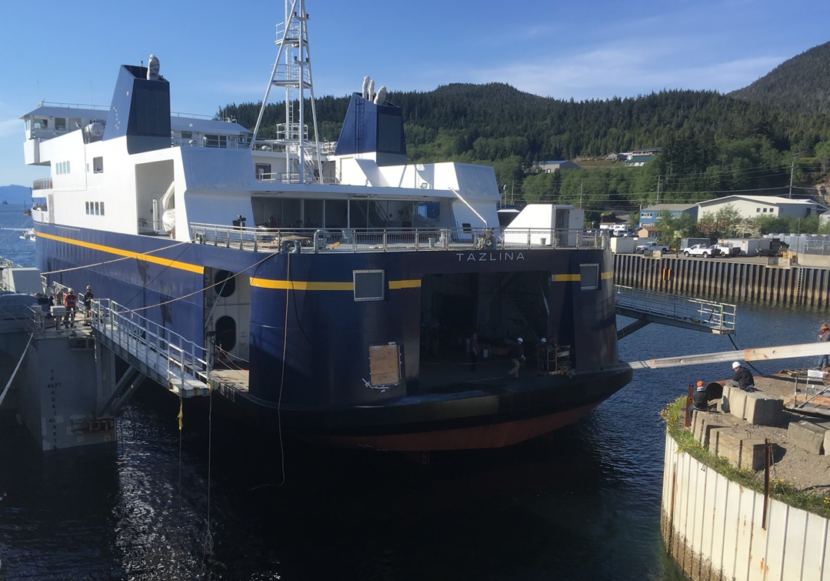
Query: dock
[(756, 281)]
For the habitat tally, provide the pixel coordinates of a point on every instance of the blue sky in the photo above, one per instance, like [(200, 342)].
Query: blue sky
[(215, 52)]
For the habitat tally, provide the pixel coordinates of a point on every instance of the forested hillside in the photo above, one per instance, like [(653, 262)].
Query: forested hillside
[(802, 83), (711, 143)]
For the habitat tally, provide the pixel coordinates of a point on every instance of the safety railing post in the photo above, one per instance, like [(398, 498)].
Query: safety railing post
[(384, 239)]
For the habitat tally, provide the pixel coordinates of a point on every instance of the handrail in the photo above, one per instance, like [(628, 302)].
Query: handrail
[(320, 240), (711, 314), (182, 358)]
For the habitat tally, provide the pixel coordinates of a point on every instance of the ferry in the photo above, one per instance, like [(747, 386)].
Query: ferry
[(360, 300)]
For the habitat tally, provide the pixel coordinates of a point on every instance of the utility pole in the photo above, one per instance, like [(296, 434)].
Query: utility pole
[(580, 193), (792, 170), (659, 183)]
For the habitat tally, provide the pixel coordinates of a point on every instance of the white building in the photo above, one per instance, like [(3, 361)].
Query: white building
[(749, 207)]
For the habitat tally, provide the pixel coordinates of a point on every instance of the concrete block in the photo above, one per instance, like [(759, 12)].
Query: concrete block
[(738, 449), (752, 454), (724, 401), (827, 442), (729, 445), (714, 438), (807, 436), (763, 410), (737, 402), (708, 423)]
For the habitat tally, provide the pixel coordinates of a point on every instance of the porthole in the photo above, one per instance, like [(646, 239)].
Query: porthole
[(225, 283), (226, 333)]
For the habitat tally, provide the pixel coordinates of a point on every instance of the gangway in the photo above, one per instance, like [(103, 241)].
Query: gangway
[(169, 359), (751, 354), (674, 310)]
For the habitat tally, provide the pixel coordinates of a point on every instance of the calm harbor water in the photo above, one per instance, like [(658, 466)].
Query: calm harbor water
[(581, 504)]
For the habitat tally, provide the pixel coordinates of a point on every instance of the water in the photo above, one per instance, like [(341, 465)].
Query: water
[(580, 504)]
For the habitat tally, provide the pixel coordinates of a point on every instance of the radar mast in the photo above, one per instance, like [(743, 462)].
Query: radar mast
[(292, 73)]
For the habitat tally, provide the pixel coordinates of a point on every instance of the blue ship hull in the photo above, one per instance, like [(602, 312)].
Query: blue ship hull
[(309, 339)]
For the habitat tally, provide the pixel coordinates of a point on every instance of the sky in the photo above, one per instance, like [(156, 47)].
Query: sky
[(215, 53)]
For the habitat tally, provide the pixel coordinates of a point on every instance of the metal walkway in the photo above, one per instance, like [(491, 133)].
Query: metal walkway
[(677, 311), (161, 355)]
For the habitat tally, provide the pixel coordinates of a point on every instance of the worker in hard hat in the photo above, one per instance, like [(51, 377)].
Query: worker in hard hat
[(743, 377), (517, 356), (700, 399)]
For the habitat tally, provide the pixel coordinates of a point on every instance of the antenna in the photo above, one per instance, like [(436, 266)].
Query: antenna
[(292, 72)]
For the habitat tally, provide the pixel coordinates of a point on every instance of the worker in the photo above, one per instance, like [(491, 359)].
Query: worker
[(743, 377), (517, 356), (700, 399), (70, 301), (823, 337), (88, 296)]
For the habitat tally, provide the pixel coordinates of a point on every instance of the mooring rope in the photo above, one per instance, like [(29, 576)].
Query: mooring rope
[(282, 369), (102, 263), (16, 367)]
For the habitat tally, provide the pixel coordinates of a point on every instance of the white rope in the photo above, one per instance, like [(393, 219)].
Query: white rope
[(114, 260), (201, 290), (16, 367), (282, 370)]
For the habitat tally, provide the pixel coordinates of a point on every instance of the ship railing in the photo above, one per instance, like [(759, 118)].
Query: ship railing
[(717, 316), (215, 142), (328, 240), (293, 178), (164, 355)]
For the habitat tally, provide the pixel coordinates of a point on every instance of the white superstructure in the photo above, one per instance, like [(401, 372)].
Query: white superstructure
[(114, 170)]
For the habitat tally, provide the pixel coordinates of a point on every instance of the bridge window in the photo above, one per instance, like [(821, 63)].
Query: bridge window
[(60, 124), (589, 276), (368, 285), (216, 141)]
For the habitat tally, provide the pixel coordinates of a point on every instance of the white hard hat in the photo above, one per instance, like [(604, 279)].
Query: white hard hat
[(520, 340), (735, 365)]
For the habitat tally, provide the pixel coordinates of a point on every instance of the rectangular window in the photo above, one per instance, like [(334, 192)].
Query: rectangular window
[(757, 209), (86, 204), (369, 285), (263, 170), (589, 276), (187, 135), (102, 208), (216, 141), (60, 124), (97, 165)]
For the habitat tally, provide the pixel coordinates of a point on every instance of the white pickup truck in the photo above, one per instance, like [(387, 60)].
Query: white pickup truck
[(728, 250), (704, 250)]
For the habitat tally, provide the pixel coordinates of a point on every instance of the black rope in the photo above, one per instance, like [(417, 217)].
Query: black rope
[(735, 345)]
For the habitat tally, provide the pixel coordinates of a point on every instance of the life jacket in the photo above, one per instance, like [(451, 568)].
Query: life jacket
[(70, 301)]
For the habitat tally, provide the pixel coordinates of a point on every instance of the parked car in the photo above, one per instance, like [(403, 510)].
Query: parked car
[(704, 250), (648, 247)]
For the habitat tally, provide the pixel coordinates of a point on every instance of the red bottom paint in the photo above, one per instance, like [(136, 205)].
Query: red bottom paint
[(490, 436)]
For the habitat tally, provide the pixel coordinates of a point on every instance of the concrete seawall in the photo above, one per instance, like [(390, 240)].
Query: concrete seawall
[(727, 280), (714, 527)]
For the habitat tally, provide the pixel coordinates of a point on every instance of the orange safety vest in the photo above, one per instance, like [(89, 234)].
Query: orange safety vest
[(70, 301)]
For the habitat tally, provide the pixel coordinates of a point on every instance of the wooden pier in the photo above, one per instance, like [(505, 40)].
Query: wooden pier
[(733, 280)]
